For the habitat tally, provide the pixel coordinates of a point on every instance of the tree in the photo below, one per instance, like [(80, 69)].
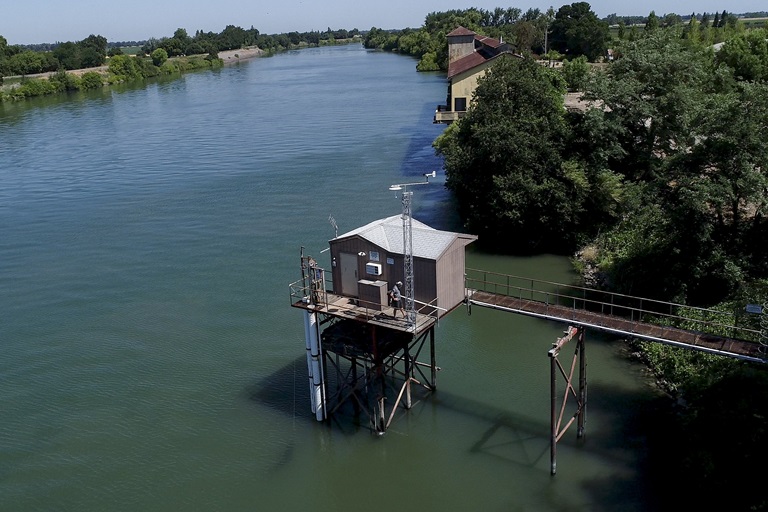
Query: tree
[(575, 72), (159, 57), (671, 19), (91, 80), (548, 17), (124, 67), (650, 93), (26, 63), (231, 38), (577, 30), (182, 36), (691, 31), (91, 58), (653, 22), (732, 157), (504, 159), (68, 55), (93, 51), (526, 35)]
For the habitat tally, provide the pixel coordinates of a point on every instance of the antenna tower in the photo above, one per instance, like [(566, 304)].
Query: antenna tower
[(335, 226)]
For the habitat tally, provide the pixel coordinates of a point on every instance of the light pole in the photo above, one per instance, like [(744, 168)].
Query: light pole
[(406, 197)]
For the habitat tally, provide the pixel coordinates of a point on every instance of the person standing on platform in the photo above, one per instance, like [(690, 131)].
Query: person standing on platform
[(397, 300)]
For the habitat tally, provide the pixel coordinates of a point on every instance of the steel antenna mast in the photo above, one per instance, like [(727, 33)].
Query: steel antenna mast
[(335, 226), (407, 217)]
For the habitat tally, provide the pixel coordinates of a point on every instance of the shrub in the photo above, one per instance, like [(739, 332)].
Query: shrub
[(64, 81), (91, 80), (35, 87)]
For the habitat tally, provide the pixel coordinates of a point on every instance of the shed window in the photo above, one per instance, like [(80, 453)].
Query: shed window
[(460, 105)]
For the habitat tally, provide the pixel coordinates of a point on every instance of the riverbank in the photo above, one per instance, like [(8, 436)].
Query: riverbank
[(43, 84), (233, 56), (227, 57)]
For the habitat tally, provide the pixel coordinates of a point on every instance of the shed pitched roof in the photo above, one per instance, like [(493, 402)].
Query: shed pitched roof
[(428, 243)]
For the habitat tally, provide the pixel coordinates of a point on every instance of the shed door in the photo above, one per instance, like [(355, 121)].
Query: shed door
[(348, 274)]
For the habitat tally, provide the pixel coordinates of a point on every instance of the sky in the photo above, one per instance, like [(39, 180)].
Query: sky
[(50, 21)]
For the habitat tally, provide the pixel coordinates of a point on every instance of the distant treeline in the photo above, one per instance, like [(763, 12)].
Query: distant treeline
[(49, 47), (94, 50), (232, 38), (717, 19), (573, 30)]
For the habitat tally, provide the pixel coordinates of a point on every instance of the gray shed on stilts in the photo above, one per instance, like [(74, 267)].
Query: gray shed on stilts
[(374, 252), (359, 355)]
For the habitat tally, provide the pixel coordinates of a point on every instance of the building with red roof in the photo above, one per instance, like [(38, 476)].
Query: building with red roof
[(469, 57)]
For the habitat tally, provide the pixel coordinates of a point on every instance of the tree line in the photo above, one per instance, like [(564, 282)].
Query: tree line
[(233, 37), (163, 56), (18, 60), (94, 50)]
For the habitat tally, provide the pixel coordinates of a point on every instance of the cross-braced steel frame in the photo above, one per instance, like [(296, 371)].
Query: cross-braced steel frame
[(559, 414), (377, 375)]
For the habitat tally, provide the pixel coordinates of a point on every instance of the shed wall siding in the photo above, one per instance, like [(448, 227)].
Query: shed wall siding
[(450, 276), (355, 245)]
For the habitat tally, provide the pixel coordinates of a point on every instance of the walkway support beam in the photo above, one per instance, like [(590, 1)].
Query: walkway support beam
[(557, 415)]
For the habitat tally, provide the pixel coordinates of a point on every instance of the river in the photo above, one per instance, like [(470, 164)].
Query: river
[(150, 356)]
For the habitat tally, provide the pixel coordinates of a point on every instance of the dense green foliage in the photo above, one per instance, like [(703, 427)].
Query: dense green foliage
[(711, 444), (577, 30), (518, 194), (688, 140), (662, 187), (747, 55), (575, 72), (509, 165), (159, 56), (17, 60), (669, 168)]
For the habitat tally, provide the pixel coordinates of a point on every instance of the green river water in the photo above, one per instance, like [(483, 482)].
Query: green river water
[(150, 357)]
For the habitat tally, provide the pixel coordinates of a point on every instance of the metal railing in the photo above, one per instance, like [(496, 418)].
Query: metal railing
[(327, 300), (607, 304), (443, 116)]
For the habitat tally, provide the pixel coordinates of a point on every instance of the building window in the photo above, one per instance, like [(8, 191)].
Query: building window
[(460, 105)]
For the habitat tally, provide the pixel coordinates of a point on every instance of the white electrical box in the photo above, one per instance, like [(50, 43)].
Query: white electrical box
[(373, 269)]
